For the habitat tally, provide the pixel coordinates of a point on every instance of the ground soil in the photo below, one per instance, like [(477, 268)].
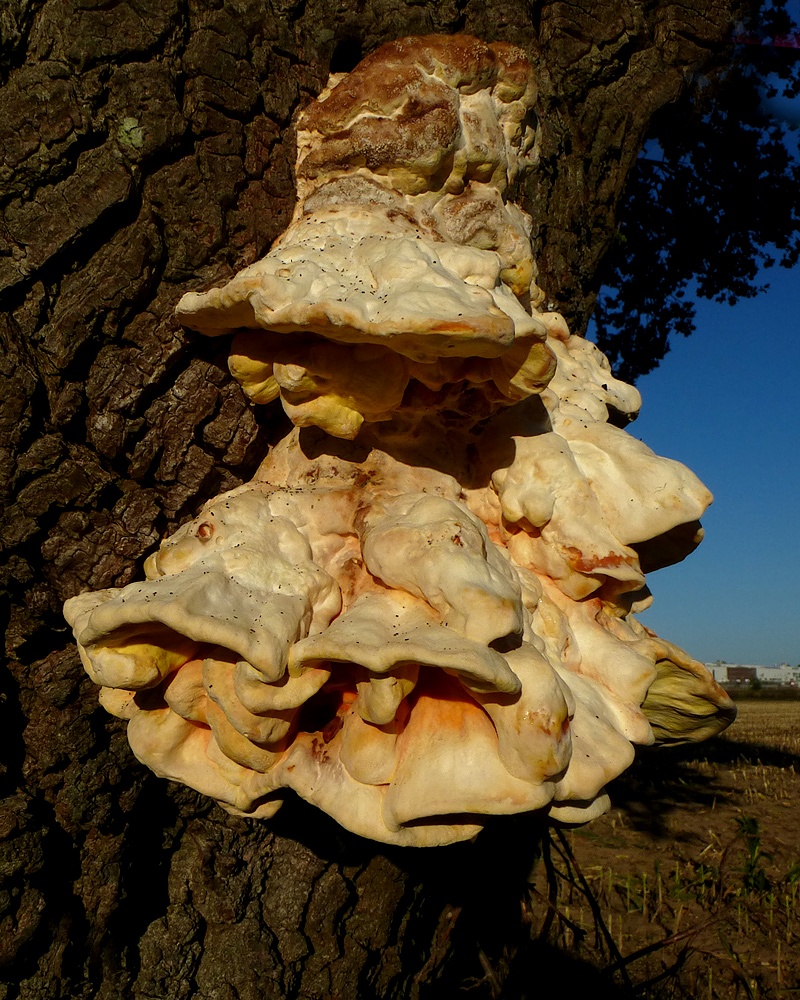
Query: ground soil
[(694, 873)]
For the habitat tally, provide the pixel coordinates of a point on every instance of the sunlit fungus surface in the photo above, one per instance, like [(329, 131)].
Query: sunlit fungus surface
[(421, 611)]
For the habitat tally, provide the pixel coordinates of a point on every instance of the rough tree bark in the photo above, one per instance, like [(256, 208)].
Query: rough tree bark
[(147, 149)]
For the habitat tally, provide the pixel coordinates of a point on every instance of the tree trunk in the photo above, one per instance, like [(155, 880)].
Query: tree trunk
[(148, 149)]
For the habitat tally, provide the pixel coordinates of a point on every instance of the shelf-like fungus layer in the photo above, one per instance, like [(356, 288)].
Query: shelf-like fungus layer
[(421, 612)]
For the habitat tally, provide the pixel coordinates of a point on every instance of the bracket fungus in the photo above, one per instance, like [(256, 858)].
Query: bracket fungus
[(421, 611)]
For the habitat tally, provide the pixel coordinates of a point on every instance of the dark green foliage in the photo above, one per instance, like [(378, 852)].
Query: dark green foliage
[(712, 202), (754, 878)]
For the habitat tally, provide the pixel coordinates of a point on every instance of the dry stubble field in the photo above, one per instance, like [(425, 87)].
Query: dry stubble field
[(694, 876)]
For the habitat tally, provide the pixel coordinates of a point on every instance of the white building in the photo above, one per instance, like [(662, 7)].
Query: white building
[(780, 673)]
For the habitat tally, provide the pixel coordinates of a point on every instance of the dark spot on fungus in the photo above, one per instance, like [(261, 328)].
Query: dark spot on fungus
[(331, 728)]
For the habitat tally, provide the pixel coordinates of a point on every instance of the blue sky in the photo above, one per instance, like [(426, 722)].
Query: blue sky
[(726, 402)]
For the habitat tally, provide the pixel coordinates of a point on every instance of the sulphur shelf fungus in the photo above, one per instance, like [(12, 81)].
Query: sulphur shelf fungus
[(421, 611)]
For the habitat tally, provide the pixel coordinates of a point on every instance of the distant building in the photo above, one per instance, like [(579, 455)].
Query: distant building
[(719, 671), (740, 673), (780, 674)]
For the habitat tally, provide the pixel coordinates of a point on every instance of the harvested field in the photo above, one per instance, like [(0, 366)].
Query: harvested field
[(689, 887)]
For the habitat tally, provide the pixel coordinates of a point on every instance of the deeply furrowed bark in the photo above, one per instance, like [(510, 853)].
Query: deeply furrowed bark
[(147, 149)]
